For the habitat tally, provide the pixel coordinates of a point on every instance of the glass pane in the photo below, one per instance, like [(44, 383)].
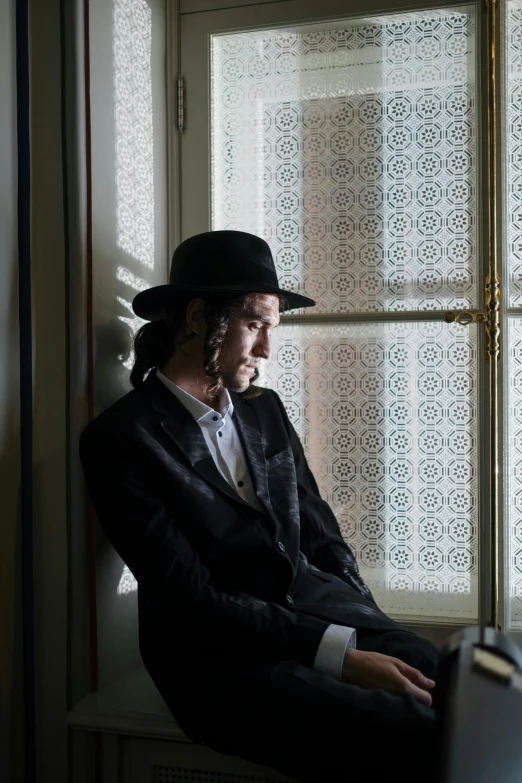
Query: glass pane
[(350, 146), (388, 416), (515, 472), (514, 150)]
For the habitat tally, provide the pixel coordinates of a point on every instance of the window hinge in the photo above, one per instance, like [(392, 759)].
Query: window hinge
[(181, 104)]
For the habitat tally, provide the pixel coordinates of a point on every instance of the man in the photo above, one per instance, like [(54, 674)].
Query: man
[(255, 623)]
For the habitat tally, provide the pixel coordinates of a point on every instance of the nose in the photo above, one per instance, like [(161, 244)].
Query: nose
[(262, 346)]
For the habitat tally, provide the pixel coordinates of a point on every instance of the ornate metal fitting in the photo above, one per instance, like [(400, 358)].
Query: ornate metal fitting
[(491, 318), (464, 318)]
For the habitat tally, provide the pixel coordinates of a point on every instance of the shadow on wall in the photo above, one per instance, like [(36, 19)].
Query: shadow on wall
[(129, 186), (116, 611), (11, 652), (111, 341), (11, 686)]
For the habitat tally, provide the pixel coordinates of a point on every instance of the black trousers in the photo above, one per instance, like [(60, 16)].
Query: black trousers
[(312, 727)]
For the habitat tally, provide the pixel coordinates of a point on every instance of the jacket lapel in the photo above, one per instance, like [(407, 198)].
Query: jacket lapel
[(252, 442), (181, 428)]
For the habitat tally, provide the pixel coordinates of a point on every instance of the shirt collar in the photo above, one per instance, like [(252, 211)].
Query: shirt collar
[(194, 406)]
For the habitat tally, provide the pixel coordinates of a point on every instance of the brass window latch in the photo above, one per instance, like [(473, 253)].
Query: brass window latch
[(464, 318), (490, 319)]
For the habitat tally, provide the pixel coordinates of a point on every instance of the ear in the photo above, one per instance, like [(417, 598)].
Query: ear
[(196, 318)]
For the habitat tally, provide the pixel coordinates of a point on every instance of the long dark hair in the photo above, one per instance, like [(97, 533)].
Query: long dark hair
[(155, 342)]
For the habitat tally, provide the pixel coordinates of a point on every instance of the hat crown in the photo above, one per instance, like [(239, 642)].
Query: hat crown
[(221, 258), (217, 262)]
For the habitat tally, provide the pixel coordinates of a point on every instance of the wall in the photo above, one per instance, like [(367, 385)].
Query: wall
[(129, 179), (58, 237), (10, 592), (50, 558)]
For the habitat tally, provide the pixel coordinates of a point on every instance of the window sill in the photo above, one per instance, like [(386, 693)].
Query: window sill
[(131, 705)]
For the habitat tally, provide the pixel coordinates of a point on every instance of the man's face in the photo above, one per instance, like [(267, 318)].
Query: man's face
[(248, 342)]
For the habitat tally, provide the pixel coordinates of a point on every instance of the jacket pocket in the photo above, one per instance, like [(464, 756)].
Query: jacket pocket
[(320, 574), (276, 459)]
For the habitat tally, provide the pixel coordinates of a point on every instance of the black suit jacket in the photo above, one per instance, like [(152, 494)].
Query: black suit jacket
[(218, 579)]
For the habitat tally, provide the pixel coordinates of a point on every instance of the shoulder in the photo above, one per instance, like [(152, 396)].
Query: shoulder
[(266, 399), (274, 401), (269, 409), (116, 422), (265, 396)]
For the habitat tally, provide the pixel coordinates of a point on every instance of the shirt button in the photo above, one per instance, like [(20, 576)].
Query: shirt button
[(290, 600), (281, 546), (214, 418), (220, 434), (240, 484)]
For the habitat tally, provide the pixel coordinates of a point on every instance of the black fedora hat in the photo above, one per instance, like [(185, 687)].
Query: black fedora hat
[(217, 262)]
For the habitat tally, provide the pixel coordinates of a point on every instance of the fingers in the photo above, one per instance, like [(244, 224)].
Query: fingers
[(415, 676), (420, 694)]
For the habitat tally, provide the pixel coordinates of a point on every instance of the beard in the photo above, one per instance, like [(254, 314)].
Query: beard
[(236, 383)]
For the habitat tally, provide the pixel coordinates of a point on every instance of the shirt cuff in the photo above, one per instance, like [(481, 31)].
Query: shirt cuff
[(332, 650)]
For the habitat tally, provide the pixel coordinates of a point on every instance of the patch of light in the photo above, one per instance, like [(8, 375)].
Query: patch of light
[(127, 583), (125, 303), (133, 323), (128, 362), (127, 277), (132, 45)]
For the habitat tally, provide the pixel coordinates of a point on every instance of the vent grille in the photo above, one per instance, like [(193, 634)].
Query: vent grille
[(180, 775)]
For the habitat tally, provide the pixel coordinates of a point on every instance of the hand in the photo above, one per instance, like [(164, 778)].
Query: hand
[(374, 670)]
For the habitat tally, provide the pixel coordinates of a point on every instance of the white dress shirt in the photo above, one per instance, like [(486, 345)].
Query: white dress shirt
[(227, 452)]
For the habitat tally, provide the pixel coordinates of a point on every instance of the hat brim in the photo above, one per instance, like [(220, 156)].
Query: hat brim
[(151, 304)]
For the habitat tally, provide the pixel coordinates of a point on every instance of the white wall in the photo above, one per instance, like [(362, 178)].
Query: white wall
[(10, 591), (122, 255)]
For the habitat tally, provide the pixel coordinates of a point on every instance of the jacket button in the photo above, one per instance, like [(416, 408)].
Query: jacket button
[(290, 600), (281, 546)]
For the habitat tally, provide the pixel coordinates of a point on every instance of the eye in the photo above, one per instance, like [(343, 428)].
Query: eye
[(254, 326)]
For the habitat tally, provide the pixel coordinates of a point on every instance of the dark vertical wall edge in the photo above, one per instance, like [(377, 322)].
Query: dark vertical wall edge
[(26, 379), (90, 345), (67, 325)]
